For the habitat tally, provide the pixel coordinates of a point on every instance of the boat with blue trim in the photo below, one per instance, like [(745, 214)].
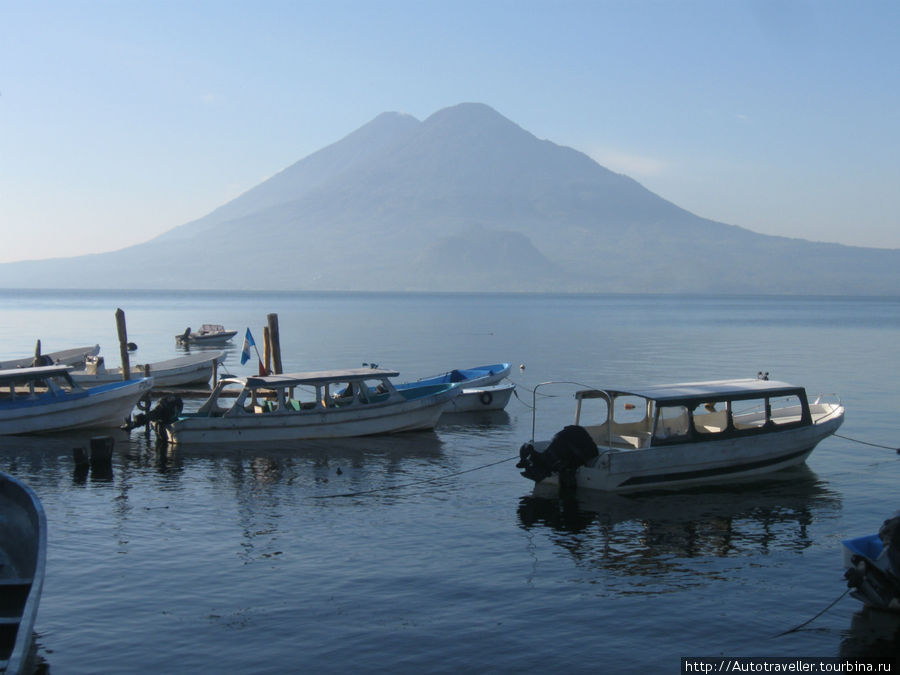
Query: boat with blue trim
[(46, 399)]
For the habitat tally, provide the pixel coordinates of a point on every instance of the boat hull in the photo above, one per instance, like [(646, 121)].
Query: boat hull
[(482, 398), (104, 406), (23, 555), (693, 464), (371, 419)]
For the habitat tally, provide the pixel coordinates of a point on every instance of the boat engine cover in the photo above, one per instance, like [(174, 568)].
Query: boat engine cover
[(570, 448)]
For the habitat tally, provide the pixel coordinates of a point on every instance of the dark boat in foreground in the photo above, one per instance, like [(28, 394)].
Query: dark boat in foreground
[(23, 556)]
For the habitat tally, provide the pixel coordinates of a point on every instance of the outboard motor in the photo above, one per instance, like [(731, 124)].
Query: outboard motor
[(570, 448), (890, 539), (166, 411), (878, 580)]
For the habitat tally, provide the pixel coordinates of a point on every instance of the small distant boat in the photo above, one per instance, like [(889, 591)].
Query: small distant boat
[(23, 557), (681, 435), (177, 372), (480, 387), (872, 566), (66, 357), (323, 404), (46, 399), (209, 334)]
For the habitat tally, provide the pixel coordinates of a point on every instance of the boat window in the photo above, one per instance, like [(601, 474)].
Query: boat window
[(671, 422), (786, 409), (592, 412), (711, 417), (629, 409), (749, 414)]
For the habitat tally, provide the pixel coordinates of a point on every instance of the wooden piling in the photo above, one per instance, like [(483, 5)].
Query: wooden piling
[(123, 344), (267, 351), (276, 342)]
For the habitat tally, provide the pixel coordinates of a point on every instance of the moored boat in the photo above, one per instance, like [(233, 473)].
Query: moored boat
[(681, 435), (177, 372), (75, 356), (477, 376), (322, 404), (481, 387), (209, 334), (46, 399), (23, 556), (872, 566)]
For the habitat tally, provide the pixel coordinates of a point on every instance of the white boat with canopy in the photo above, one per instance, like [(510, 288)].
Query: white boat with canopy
[(309, 405), (681, 435)]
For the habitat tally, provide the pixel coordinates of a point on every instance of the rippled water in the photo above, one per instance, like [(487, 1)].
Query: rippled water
[(428, 551)]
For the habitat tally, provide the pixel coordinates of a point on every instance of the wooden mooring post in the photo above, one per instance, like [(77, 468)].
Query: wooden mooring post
[(123, 344), (276, 342)]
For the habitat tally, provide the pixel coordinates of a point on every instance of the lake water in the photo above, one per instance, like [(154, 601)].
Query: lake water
[(428, 551)]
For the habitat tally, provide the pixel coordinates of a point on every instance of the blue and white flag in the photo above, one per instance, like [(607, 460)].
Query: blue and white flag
[(245, 349)]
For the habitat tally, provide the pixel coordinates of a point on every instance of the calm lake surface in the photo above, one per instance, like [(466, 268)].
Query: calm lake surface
[(428, 552)]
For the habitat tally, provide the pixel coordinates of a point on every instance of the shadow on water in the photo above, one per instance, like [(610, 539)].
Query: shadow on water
[(655, 534)]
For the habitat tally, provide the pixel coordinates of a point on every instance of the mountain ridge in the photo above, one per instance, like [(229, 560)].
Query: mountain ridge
[(464, 200)]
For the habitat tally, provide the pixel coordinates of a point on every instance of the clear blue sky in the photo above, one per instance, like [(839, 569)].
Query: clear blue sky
[(121, 119)]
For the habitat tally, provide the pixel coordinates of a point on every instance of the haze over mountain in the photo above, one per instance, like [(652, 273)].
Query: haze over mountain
[(465, 200)]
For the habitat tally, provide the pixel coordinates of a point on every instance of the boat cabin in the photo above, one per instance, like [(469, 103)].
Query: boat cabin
[(690, 412), (19, 385)]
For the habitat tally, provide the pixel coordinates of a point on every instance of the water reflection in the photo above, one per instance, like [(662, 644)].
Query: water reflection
[(474, 419), (658, 534), (873, 637)]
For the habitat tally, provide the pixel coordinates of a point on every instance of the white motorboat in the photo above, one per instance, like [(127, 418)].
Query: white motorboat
[(23, 558), (681, 435), (178, 372), (209, 334), (323, 404), (872, 566), (46, 399)]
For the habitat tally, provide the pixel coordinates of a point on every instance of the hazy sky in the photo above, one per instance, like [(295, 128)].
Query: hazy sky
[(122, 119)]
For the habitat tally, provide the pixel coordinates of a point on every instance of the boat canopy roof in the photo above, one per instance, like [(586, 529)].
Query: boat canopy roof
[(319, 377), (36, 373), (702, 391)]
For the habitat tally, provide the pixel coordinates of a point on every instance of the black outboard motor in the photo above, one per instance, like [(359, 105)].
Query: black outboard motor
[(570, 448), (889, 532), (166, 411)]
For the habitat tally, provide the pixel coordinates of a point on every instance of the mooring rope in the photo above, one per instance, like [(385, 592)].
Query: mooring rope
[(874, 445), (806, 623), (416, 482)]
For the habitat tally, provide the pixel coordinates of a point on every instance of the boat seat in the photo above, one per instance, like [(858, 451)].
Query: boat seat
[(13, 594)]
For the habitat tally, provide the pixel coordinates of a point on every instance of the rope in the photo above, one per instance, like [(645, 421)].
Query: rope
[(874, 445), (416, 482), (796, 628)]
